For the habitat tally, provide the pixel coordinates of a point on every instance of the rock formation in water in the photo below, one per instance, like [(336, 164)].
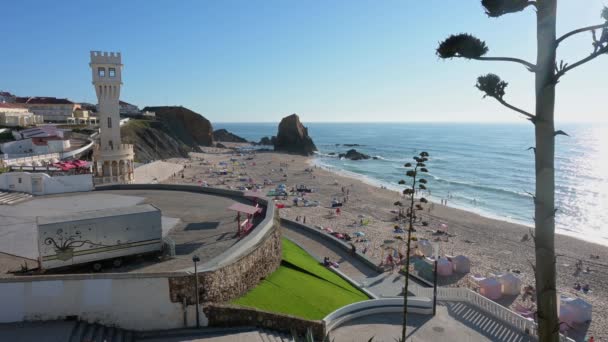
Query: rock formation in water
[(225, 136), (293, 137), (353, 155), (267, 141)]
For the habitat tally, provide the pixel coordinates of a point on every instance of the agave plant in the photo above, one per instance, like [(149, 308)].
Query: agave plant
[(548, 72)]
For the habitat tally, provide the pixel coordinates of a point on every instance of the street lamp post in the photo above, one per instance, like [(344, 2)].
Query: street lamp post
[(196, 259)]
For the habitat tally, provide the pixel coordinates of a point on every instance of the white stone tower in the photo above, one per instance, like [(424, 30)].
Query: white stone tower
[(113, 160)]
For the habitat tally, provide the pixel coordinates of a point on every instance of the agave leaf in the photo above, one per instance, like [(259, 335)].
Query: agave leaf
[(462, 45), (492, 85), (496, 8)]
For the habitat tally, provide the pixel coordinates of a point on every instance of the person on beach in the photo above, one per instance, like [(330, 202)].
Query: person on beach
[(390, 261), (338, 211), (304, 220)]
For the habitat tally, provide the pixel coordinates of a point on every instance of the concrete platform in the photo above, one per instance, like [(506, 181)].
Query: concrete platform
[(198, 223)]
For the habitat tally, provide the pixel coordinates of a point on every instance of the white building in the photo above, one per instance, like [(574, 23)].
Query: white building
[(113, 160), (6, 97), (51, 109), (14, 115), (43, 184), (128, 109)]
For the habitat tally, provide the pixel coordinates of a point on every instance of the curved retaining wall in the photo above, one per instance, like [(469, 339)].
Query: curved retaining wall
[(421, 305), (225, 315), (147, 301)]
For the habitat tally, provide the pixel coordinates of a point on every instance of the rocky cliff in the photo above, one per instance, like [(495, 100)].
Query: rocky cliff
[(293, 137), (192, 128), (154, 140), (226, 136)]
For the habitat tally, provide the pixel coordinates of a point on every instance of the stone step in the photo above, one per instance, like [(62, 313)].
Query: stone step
[(90, 332), (264, 336), (78, 332), (109, 335), (119, 336)]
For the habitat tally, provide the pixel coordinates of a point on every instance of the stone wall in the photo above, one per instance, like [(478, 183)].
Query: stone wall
[(226, 315), (235, 279)]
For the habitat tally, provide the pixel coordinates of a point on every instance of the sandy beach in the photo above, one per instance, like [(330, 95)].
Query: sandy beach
[(493, 246)]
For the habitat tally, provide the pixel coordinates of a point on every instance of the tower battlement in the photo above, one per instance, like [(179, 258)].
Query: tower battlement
[(99, 57)]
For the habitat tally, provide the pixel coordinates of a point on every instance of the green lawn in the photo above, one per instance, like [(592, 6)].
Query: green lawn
[(301, 287)]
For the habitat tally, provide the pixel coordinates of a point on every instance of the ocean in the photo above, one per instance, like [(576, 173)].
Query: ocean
[(483, 168)]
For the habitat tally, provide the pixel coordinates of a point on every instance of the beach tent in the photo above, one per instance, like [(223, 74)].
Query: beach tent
[(461, 264), (490, 288), (566, 315), (423, 268), (511, 285), (425, 247), (444, 267), (576, 309)]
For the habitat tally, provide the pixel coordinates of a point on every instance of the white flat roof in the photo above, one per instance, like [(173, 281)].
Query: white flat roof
[(93, 214)]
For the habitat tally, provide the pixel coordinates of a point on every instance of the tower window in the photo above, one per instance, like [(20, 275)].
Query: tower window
[(101, 72), (112, 72), (109, 122), (111, 144)]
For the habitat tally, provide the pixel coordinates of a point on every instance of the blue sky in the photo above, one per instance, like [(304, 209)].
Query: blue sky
[(325, 60)]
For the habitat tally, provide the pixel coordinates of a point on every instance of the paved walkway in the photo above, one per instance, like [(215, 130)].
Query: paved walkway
[(156, 171), (387, 284)]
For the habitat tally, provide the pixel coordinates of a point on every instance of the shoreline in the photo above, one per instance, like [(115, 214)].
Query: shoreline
[(315, 161)]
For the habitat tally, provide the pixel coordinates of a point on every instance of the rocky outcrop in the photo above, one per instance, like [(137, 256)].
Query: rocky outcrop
[(353, 155), (153, 140), (191, 127), (293, 137), (267, 141), (225, 136)]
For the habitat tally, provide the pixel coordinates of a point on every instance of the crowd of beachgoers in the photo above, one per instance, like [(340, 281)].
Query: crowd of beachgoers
[(366, 216)]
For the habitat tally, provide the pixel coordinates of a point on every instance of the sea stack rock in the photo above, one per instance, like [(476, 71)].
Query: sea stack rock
[(353, 155), (293, 137), (225, 136), (267, 141)]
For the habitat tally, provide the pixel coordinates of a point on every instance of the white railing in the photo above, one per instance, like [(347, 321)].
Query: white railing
[(70, 154), (483, 303), (502, 313), (14, 160)]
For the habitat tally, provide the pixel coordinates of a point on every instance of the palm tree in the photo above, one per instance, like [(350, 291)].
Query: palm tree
[(547, 74)]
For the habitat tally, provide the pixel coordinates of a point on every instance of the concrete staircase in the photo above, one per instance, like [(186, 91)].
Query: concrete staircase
[(249, 334), (13, 197), (87, 332), (274, 336)]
